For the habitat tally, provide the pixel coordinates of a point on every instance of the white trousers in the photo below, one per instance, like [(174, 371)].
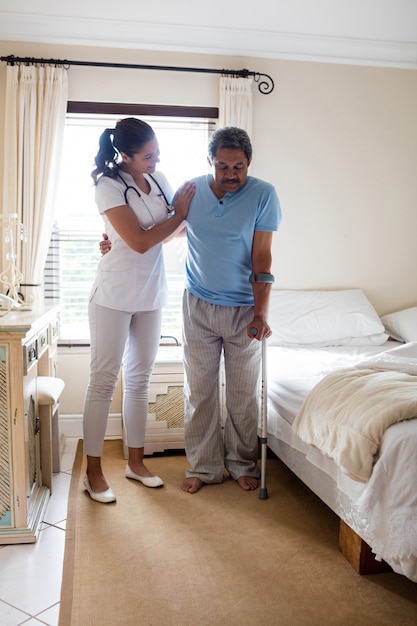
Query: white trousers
[(118, 336), (209, 331)]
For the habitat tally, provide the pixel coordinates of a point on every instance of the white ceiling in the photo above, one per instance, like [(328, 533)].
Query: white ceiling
[(368, 32)]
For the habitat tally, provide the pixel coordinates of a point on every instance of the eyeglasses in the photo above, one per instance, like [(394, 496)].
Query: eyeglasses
[(170, 209)]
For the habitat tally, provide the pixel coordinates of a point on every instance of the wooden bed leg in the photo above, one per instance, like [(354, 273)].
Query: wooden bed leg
[(358, 553)]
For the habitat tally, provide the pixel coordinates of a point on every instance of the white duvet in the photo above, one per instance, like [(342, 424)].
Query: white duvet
[(383, 510), (347, 413)]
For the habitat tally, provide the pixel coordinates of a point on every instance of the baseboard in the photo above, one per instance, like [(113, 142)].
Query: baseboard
[(71, 425)]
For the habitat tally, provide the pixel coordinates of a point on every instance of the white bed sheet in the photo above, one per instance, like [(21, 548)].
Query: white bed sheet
[(293, 372), (382, 511)]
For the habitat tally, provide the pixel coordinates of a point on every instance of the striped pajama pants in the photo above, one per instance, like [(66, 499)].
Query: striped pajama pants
[(210, 331)]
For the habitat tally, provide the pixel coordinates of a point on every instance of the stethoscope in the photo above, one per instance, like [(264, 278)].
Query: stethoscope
[(170, 209)]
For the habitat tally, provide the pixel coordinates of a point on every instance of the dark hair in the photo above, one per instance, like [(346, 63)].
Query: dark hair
[(230, 137), (129, 136)]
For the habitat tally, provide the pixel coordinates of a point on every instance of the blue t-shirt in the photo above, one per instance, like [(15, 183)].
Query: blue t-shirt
[(220, 235)]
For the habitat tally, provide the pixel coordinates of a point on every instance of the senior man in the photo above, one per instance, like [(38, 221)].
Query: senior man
[(229, 226)]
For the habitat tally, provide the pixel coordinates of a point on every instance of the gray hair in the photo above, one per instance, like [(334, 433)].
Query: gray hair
[(230, 137)]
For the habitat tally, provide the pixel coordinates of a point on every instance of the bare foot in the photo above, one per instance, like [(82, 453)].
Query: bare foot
[(248, 483), (192, 484)]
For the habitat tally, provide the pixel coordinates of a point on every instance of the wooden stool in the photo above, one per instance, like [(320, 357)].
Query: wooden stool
[(49, 389)]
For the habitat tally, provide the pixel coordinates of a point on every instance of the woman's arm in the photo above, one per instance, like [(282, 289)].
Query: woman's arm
[(125, 223), (180, 232)]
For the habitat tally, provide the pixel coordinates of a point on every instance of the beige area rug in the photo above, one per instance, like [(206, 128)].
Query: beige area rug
[(163, 557)]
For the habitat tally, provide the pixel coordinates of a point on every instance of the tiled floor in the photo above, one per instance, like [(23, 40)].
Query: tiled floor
[(30, 574)]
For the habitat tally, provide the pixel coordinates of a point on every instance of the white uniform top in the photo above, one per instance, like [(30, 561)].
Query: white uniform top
[(127, 280)]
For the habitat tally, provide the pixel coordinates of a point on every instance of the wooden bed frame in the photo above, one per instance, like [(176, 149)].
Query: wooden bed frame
[(351, 545), (358, 553)]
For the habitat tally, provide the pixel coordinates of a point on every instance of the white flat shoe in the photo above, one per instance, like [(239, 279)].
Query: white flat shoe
[(99, 496), (148, 481)]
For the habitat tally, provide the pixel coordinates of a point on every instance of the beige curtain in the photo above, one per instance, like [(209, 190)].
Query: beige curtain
[(235, 106), (36, 102)]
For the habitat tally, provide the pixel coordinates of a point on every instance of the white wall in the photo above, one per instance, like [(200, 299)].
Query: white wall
[(339, 142), (341, 147)]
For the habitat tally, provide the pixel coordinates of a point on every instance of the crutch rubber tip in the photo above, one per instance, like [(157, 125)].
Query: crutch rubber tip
[(263, 493)]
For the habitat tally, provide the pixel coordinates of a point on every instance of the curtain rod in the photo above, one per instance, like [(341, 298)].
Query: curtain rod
[(264, 81)]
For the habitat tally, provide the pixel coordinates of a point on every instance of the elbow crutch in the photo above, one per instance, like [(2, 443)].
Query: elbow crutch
[(263, 492)]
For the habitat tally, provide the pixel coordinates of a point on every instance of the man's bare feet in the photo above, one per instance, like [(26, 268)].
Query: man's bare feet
[(192, 484), (248, 483)]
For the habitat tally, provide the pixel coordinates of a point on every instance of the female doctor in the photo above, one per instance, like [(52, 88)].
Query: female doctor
[(129, 291)]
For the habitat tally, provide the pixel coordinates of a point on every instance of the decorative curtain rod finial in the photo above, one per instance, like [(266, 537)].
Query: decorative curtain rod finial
[(265, 83)]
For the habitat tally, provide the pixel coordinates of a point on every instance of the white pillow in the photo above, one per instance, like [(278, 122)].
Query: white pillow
[(402, 325), (326, 318)]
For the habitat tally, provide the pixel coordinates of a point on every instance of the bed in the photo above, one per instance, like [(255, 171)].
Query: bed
[(324, 338)]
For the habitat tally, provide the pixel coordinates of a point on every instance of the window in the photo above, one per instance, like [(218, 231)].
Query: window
[(74, 250)]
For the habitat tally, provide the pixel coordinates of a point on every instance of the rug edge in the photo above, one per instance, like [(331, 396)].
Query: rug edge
[(65, 607)]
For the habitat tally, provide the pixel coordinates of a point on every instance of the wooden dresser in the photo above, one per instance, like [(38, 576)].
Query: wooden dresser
[(28, 349)]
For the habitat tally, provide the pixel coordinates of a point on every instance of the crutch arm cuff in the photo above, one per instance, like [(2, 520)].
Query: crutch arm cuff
[(261, 278)]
